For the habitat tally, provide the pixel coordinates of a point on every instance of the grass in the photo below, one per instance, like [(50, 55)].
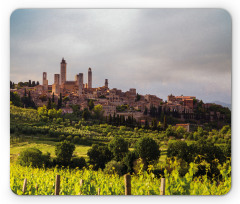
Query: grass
[(44, 146)]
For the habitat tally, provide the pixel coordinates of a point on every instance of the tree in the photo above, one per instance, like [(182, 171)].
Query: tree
[(145, 111), (128, 160), (42, 111), (15, 98), (170, 131), (53, 97), (147, 149), (164, 122), (119, 147), (180, 150), (64, 151), (86, 114), (180, 131), (33, 157), (49, 104), (90, 104), (98, 111), (59, 105), (99, 156), (138, 97)]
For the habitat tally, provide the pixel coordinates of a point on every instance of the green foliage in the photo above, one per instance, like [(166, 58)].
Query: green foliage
[(64, 151), (86, 114), (113, 167), (180, 150), (98, 111), (76, 139), (15, 98), (90, 104), (119, 147), (128, 160), (99, 156), (33, 157), (180, 131), (170, 131), (147, 149), (145, 183), (122, 108), (78, 163)]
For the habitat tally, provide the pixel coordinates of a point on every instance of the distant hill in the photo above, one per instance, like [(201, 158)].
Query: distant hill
[(223, 104)]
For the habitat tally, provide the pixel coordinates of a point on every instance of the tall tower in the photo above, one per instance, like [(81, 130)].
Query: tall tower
[(80, 84), (55, 86), (106, 83), (89, 77), (63, 71), (45, 81)]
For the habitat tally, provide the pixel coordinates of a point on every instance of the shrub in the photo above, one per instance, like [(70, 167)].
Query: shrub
[(78, 162), (76, 139), (62, 137), (129, 159), (33, 157), (69, 138), (114, 167)]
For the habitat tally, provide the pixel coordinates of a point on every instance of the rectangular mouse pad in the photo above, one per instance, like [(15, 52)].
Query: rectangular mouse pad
[(120, 101)]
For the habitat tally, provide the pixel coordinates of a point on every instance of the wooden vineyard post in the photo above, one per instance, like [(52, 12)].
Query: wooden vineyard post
[(162, 188), (81, 185), (36, 187), (127, 179), (24, 186), (57, 185), (98, 191)]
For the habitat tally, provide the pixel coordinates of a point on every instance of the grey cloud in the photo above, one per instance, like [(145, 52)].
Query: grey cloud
[(153, 50)]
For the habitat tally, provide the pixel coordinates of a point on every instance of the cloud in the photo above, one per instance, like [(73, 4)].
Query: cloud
[(158, 51)]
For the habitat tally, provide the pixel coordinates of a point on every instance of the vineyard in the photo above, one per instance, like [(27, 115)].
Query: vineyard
[(210, 175), (41, 181)]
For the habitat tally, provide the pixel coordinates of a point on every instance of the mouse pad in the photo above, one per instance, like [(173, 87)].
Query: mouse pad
[(120, 101)]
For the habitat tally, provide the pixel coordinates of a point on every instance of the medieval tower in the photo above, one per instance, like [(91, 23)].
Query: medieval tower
[(45, 81), (56, 86), (89, 78), (80, 84), (63, 71), (106, 83)]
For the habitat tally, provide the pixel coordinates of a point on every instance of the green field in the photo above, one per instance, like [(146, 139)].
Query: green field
[(49, 146), (44, 146)]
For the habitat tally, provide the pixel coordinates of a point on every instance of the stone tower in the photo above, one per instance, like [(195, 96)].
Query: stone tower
[(89, 78), (45, 81), (77, 79), (80, 84), (63, 71), (56, 86), (106, 83)]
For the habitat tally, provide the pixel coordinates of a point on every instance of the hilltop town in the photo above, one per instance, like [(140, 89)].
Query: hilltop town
[(185, 109)]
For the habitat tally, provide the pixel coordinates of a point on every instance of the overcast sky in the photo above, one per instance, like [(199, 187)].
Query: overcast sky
[(156, 51)]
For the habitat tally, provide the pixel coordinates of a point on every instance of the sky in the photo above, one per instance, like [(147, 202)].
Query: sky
[(156, 51)]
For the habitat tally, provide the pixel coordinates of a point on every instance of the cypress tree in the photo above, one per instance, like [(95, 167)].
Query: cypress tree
[(53, 97)]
